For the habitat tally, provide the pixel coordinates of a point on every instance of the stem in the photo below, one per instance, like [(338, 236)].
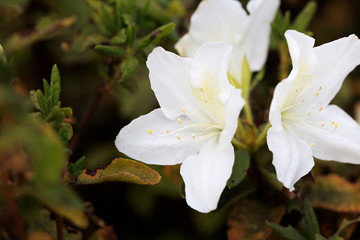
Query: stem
[(261, 138), (284, 60), (59, 227), (344, 226), (248, 113), (10, 200), (101, 89)]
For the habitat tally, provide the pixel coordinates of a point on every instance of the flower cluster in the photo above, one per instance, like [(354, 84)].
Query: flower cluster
[(199, 108)]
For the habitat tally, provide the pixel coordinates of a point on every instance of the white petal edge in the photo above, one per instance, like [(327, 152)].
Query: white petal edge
[(292, 157), (257, 36), (170, 80), (205, 175), (210, 24), (340, 145), (135, 141)]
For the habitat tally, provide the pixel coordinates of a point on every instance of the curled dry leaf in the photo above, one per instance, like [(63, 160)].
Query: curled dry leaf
[(121, 170), (247, 220), (333, 192)]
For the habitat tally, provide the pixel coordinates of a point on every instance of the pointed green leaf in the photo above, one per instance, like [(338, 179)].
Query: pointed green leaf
[(288, 232), (156, 36), (319, 237), (55, 85), (34, 99), (108, 17), (311, 222), (118, 7), (119, 38), (240, 167), (110, 50), (131, 28), (121, 170), (302, 21), (46, 88), (42, 102), (128, 69), (77, 167)]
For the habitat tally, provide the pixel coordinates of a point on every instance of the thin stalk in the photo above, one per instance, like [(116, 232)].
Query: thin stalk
[(238, 144), (59, 227), (261, 138)]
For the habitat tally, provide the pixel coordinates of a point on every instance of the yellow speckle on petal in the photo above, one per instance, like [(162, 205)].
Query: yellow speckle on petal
[(167, 131), (150, 131), (183, 110), (320, 88), (336, 125), (193, 136), (312, 144), (320, 109)]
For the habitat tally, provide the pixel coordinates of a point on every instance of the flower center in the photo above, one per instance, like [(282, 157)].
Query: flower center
[(190, 130)]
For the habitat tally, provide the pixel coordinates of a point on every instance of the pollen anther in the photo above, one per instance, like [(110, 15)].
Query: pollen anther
[(320, 109), (178, 137), (312, 144), (180, 121), (322, 124), (320, 88), (150, 131), (193, 136), (317, 94), (182, 110)]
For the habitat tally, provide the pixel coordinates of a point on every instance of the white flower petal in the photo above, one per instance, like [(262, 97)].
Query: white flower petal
[(213, 21), (233, 107), (292, 157), (205, 175), (156, 147), (256, 38), (170, 80), (335, 61), (334, 134)]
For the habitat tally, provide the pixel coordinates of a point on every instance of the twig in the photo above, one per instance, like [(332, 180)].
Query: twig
[(59, 227), (101, 89)]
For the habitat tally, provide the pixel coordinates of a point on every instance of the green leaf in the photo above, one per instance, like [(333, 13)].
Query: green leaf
[(121, 170), (131, 28), (46, 89), (67, 112), (128, 69), (289, 232), (42, 223), (110, 50), (108, 17), (156, 36), (319, 237), (247, 219), (259, 76), (42, 102), (61, 200), (119, 38), (303, 19), (77, 167), (118, 7), (55, 85), (311, 222), (34, 99), (240, 167)]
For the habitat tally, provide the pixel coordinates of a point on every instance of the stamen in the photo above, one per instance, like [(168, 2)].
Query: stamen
[(193, 136), (211, 123), (296, 90), (206, 101), (302, 100), (167, 131), (320, 88), (317, 94), (178, 137), (150, 131), (332, 123), (312, 144), (336, 125), (320, 109), (182, 110), (322, 124), (180, 121), (308, 113)]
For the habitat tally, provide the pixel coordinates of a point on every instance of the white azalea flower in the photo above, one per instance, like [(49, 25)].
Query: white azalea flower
[(303, 123), (227, 21), (195, 123)]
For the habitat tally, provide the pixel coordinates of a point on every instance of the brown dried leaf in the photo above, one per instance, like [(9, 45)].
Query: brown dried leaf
[(333, 192), (121, 170), (247, 220)]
